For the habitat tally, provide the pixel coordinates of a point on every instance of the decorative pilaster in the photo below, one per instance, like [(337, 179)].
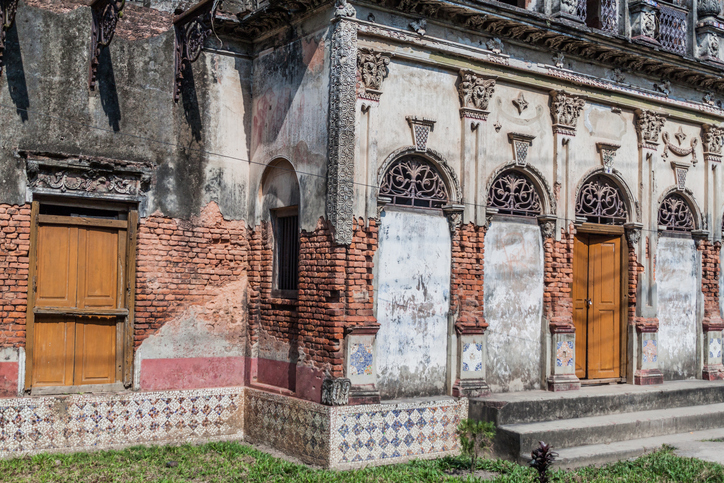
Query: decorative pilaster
[(643, 21), (342, 99), (7, 18), (361, 366), (192, 27), (565, 110), (475, 92), (713, 325), (471, 364), (105, 17)]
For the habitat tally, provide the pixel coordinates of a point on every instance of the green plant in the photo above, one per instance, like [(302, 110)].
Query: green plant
[(543, 459), (476, 438)]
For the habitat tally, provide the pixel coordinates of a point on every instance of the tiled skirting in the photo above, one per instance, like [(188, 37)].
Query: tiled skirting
[(36, 424), (336, 437)]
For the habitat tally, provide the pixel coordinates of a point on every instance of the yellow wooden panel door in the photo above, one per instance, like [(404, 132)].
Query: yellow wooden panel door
[(580, 305), (95, 351), (53, 349), (57, 266), (604, 330), (97, 268)]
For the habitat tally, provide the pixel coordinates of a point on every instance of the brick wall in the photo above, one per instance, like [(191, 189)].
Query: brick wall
[(182, 263), (558, 277), (467, 281), (14, 263), (710, 266)]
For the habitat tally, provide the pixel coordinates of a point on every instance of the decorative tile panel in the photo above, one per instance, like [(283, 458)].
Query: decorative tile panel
[(564, 353), (714, 348), (650, 351), (34, 424), (361, 359), (473, 357)]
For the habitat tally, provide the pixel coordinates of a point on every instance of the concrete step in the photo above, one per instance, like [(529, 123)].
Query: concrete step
[(513, 440), (599, 454), (533, 406)]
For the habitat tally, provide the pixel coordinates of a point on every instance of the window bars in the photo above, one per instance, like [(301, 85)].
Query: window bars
[(675, 214), (581, 10), (512, 193), (414, 181), (672, 29), (600, 201), (609, 16), (287, 245)]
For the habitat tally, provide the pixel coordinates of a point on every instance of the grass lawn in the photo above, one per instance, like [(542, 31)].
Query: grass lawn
[(232, 462)]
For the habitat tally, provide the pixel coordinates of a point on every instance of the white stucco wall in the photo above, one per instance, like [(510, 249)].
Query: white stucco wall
[(677, 288), (413, 300), (513, 305)]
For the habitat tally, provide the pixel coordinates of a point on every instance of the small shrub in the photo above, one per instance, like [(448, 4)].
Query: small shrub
[(476, 438), (543, 459)]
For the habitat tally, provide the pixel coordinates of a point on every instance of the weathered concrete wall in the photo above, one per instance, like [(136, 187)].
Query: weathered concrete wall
[(513, 305), (676, 271), (413, 299)]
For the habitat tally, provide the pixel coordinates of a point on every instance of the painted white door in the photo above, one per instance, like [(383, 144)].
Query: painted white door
[(413, 300)]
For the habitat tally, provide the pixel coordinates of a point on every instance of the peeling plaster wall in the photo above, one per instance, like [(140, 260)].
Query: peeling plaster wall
[(676, 270), (513, 305), (413, 300)]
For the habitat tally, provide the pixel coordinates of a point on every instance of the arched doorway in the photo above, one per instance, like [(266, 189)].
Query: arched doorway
[(599, 268), (413, 280)]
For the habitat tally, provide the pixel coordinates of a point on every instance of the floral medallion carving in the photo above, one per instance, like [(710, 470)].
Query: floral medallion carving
[(565, 110), (475, 92), (372, 69)]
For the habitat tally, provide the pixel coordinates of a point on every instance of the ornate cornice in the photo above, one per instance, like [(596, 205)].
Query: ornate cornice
[(105, 18)]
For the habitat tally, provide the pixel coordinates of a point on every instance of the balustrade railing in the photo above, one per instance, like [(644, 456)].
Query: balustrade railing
[(672, 29)]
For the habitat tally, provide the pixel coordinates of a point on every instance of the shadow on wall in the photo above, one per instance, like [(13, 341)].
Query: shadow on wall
[(15, 73), (107, 89)]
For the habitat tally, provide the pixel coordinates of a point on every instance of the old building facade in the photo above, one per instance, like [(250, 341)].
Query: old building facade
[(270, 219)]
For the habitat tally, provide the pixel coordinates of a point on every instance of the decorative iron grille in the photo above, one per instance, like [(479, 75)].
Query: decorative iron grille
[(672, 29), (600, 201), (413, 181), (609, 16), (581, 10), (512, 193), (675, 214)]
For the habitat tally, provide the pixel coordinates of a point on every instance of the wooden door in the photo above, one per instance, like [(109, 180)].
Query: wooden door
[(597, 306), (79, 279)]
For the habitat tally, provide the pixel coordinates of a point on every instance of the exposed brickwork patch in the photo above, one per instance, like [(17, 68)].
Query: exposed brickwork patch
[(467, 283), (710, 269), (558, 279), (14, 263)]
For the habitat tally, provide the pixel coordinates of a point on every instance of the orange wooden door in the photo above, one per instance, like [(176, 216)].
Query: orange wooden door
[(78, 271), (604, 288), (597, 305), (580, 302)]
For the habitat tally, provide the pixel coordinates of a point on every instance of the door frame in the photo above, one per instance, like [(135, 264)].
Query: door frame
[(125, 330), (618, 231)]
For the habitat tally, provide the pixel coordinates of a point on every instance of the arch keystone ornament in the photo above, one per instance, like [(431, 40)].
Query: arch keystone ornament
[(608, 155), (421, 129), (565, 110), (521, 144)]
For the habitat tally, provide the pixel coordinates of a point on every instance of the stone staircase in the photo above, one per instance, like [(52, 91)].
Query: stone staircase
[(603, 424)]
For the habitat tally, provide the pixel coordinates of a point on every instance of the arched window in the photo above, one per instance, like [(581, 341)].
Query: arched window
[(601, 201), (512, 193), (414, 181), (675, 214)]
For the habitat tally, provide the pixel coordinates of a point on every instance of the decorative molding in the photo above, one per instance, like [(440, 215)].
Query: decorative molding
[(105, 18), (86, 179), (489, 214), (475, 92), (712, 139), (344, 9), (520, 144), (608, 155), (192, 27), (648, 127), (520, 103), (454, 215), (372, 68), (680, 170), (547, 225), (341, 122), (565, 110), (7, 18), (680, 136), (335, 392), (633, 233), (421, 128)]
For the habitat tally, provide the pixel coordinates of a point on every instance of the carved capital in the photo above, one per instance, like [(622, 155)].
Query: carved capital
[(475, 92), (489, 214), (648, 127), (105, 17), (372, 70), (633, 233), (712, 139), (547, 225), (565, 110), (7, 18), (192, 27), (335, 392), (454, 215)]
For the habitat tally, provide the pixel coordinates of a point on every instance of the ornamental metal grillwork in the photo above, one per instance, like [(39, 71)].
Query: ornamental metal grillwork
[(581, 10), (675, 214), (600, 201), (672, 29), (413, 181), (513, 194), (609, 16)]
